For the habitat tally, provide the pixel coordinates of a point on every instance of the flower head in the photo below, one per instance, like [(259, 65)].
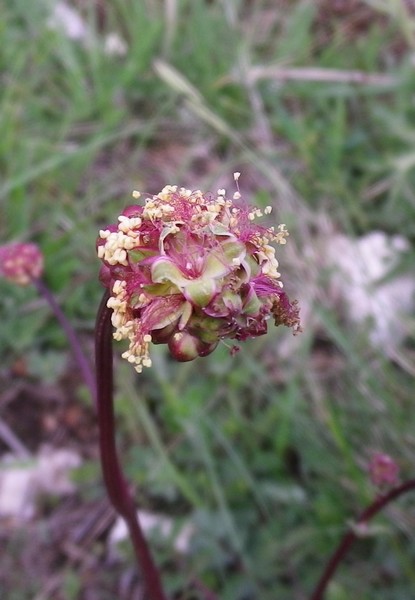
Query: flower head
[(383, 470), (21, 263), (189, 269)]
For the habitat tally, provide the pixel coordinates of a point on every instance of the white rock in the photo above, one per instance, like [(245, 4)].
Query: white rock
[(150, 523), (22, 483), (16, 497), (52, 475), (358, 268)]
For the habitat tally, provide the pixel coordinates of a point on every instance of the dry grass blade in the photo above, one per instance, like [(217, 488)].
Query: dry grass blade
[(170, 20), (316, 74)]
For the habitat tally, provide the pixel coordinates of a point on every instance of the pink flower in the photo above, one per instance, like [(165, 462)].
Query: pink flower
[(190, 269), (21, 263), (383, 470)]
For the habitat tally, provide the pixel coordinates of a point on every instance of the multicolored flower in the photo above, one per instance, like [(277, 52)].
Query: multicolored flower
[(383, 470), (20, 262), (190, 269)]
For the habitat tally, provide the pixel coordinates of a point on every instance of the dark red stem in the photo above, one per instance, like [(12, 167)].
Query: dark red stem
[(72, 337), (350, 536), (115, 482)]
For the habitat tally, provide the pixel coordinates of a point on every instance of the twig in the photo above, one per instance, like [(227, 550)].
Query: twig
[(8, 436), (114, 479), (320, 75), (351, 535)]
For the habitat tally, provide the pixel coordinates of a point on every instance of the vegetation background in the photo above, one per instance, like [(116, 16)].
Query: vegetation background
[(263, 455)]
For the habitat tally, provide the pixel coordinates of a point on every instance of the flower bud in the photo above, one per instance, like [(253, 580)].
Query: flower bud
[(383, 470), (21, 263), (185, 347)]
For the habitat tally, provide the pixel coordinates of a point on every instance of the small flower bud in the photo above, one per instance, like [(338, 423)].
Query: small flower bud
[(21, 263), (383, 470), (185, 347)]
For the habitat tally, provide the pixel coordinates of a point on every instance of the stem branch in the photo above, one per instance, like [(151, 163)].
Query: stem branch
[(83, 363), (351, 535)]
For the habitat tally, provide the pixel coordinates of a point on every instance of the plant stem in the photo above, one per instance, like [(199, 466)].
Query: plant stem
[(115, 482), (83, 363), (350, 536)]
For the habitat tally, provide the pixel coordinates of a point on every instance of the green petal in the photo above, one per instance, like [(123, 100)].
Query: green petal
[(232, 301), (164, 270), (206, 328), (169, 229), (251, 266), (163, 312), (139, 254), (252, 304), (233, 249), (161, 289), (216, 266), (169, 319), (218, 228), (187, 313), (220, 263), (200, 292)]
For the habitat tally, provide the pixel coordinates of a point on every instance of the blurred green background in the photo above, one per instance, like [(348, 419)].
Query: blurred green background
[(265, 454)]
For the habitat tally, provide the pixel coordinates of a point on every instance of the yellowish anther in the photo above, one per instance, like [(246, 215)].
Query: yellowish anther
[(236, 196), (221, 192), (136, 194), (268, 210), (186, 193), (118, 286), (147, 338), (236, 175)]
